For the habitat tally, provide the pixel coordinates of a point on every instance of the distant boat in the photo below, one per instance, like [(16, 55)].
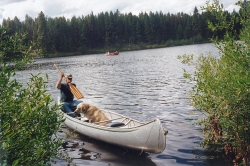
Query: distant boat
[(112, 53)]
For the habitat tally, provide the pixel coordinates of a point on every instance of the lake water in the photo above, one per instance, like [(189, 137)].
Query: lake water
[(144, 85)]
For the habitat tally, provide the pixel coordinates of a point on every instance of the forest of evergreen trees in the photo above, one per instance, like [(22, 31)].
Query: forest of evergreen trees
[(113, 30)]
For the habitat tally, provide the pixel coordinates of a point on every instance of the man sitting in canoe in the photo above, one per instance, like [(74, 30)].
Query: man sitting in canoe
[(66, 95)]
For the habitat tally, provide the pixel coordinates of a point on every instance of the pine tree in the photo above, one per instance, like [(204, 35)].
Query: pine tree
[(42, 34)]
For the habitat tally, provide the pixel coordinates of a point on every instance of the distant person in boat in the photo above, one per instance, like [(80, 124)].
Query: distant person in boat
[(66, 96), (112, 53)]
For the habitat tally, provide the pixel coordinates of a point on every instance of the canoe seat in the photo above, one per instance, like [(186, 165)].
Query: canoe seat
[(114, 124)]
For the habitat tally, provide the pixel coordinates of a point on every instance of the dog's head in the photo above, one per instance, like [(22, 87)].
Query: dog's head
[(82, 108)]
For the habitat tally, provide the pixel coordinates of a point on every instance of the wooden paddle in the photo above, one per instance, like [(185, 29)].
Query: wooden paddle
[(76, 92)]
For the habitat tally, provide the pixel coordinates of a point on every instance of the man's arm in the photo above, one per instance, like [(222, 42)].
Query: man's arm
[(58, 84)]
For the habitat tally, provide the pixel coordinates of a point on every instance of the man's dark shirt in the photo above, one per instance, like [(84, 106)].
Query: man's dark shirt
[(66, 94)]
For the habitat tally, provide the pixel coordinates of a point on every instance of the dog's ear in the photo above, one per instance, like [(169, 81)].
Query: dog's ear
[(87, 106), (84, 107)]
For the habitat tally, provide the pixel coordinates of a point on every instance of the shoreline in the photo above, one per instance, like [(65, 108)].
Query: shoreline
[(121, 49)]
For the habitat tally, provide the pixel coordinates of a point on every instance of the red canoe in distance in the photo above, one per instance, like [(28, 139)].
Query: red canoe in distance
[(112, 53)]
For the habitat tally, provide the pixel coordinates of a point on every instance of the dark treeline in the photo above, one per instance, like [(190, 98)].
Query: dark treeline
[(113, 30)]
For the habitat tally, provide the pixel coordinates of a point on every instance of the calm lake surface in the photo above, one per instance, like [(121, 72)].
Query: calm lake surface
[(140, 84)]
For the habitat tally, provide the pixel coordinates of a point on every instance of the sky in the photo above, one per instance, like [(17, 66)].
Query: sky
[(78, 8)]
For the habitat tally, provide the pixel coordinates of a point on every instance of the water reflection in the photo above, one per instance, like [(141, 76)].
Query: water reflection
[(117, 155), (80, 147), (142, 85)]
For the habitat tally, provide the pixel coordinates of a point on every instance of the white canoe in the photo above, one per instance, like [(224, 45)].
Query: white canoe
[(144, 136)]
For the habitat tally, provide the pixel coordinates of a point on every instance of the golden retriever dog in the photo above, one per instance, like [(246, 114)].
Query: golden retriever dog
[(92, 113)]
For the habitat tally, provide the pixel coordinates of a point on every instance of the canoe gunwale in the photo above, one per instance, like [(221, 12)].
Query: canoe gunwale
[(118, 129)]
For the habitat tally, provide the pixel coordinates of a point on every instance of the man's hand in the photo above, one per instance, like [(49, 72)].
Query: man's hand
[(62, 74)]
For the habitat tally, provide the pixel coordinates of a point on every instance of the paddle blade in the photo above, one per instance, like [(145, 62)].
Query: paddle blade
[(76, 92)]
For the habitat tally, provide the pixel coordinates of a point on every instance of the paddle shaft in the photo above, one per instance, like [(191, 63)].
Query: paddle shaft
[(76, 92), (59, 70)]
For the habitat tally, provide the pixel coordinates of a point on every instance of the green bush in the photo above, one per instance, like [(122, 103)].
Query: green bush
[(222, 90), (28, 119)]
